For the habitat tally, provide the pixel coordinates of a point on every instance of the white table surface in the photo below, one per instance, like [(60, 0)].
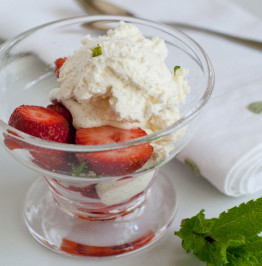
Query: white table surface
[(17, 247)]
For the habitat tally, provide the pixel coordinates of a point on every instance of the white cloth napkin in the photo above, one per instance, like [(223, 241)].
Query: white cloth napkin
[(227, 149), (220, 15)]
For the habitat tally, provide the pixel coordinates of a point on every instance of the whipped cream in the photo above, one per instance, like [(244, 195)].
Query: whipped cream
[(129, 85), (111, 193)]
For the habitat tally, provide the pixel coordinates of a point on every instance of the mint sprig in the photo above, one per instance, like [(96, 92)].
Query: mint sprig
[(176, 68), (97, 51), (79, 169), (255, 107), (231, 239)]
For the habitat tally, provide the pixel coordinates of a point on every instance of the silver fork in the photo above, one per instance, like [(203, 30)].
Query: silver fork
[(100, 7)]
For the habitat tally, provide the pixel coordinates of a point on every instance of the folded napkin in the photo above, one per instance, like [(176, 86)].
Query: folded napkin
[(227, 148)]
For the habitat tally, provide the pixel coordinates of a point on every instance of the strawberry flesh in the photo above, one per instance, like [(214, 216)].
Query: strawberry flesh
[(51, 159), (87, 191), (59, 63), (40, 122), (113, 162), (62, 110), (45, 124), (11, 142)]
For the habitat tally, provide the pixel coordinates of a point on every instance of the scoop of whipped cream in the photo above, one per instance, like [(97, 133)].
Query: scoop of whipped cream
[(128, 85)]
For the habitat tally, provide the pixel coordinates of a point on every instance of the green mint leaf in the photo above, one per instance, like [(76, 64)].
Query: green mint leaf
[(176, 68), (245, 219), (97, 51), (79, 169), (192, 166), (231, 239), (255, 107), (194, 234), (248, 254)]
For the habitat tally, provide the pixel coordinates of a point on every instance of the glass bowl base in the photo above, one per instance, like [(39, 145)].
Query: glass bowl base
[(66, 234)]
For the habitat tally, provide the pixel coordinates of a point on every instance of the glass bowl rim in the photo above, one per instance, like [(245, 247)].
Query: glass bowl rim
[(8, 130)]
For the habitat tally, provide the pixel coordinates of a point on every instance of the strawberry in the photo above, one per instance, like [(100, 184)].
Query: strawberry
[(52, 160), (40, 122), (11, 142), (113, 162), (62, 110), (59, 63), (70, 247), (87, 191), (45, 124)]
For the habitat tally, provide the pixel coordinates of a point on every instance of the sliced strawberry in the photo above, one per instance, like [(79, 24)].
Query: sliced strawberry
[(115, 162), (11, 142), (72, 133), (62, 110), (40, 122), (70, 247), (59, 63), (45, 124), (52, 160), (87, 191)]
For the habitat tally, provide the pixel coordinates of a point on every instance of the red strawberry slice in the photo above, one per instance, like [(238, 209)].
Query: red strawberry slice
[(87, 191), (52, 160), (62, 110), (70, 247), (116, 162), (45, 124), (59, 63), (11, 142), (40, 122)]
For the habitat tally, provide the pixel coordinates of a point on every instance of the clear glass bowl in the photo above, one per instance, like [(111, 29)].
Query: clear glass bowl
[(72, 210)]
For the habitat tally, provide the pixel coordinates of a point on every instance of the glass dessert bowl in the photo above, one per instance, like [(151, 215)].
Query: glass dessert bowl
[(74, 207)]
